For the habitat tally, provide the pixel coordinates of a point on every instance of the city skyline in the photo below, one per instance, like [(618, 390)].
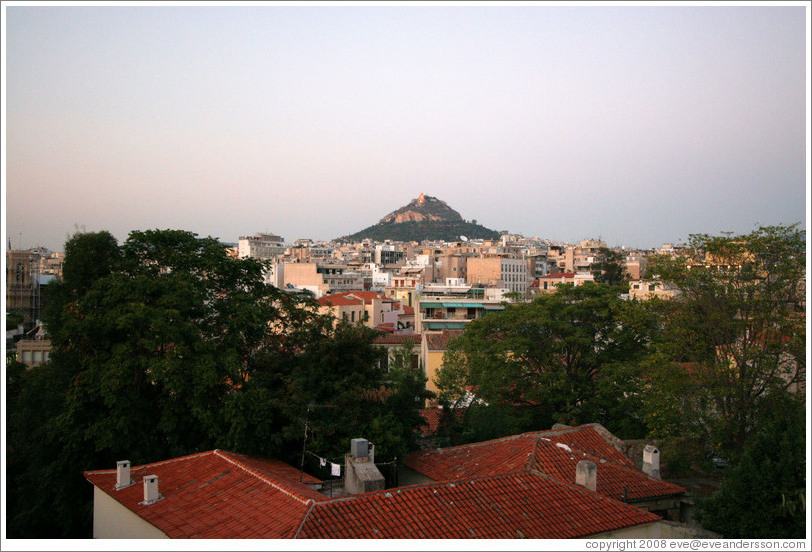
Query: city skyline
[(637, 124)]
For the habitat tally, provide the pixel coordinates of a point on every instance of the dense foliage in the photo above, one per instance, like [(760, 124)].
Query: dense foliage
[(568, 356), (763, 496), (716, 375), (166, 346), (442, 230), (608, 267), (737, 332)]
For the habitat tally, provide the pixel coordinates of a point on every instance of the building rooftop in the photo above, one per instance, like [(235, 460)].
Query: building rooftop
[(438, 341), (498, 507), (219, 494), (554, 453)]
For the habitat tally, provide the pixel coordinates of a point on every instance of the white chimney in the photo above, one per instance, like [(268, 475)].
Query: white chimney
[(586, 474), (151, 493), (651, 461), (123, 474)]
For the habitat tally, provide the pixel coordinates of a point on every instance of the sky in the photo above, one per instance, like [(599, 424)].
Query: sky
[(637, 124)]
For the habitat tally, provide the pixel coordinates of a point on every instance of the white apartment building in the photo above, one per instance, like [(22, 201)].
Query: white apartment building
[(261, 246)]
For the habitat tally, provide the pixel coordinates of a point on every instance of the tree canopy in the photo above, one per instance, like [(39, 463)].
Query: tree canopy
[(609, 268), (165, 345), (554, 354), (738, 326)]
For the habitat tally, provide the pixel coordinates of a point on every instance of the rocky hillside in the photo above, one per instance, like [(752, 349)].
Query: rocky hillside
[(424, 218)]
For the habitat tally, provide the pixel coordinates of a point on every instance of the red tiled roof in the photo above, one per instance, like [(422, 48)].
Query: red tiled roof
[(433, 416), (520, 486), (555, 453), (407, 310), (500, 507), (255, 498), (338, 300), (365, 296), (586, 439), (613, 481), (397, 339), (439, 341), (488, 458)]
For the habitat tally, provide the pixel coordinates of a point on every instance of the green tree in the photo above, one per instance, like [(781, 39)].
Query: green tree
[(763, 496), (166, 345), (737, 324), (551, 354), (609, 268)]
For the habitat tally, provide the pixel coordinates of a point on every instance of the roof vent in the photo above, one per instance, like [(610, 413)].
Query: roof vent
[(651, 461), (123, 474), (586, 474), (359, 448), (151, 494)]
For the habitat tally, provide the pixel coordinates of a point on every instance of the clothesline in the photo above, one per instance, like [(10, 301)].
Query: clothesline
[(335, 469)]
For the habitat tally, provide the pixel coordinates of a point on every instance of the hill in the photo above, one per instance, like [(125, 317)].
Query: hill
[(424, 218)]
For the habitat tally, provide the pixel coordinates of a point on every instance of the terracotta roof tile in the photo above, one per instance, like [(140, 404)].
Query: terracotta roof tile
[(438, 341), (338, 300), (497, 457), (555, 453), (397, 339), (432, 417), (613, 480), (254, 498), (506, 506), (520, 486)]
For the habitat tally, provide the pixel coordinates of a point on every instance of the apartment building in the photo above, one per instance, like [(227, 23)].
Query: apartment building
[(579, 258), (547, 284), (388, 254), (321, 279), (261, 246), (451, 306), (500, 272), (647, 289)]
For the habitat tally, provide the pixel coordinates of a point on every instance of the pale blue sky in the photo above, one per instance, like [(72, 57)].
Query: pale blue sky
[(638, 124)]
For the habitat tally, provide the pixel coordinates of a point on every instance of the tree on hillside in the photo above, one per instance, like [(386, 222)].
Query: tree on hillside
[(738, 323), (553, 354)]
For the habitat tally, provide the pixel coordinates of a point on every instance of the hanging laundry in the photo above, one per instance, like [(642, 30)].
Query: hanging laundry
[(335, 469), (322, 462)]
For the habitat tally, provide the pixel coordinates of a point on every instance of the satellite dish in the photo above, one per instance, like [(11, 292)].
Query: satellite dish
[(463, 238)]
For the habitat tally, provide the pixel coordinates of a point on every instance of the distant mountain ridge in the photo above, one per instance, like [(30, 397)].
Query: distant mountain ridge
[(424, 218)]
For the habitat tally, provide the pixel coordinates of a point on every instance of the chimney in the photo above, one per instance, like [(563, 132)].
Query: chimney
[(123, 474), (151, 493), (586, 474), (651, 461)]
